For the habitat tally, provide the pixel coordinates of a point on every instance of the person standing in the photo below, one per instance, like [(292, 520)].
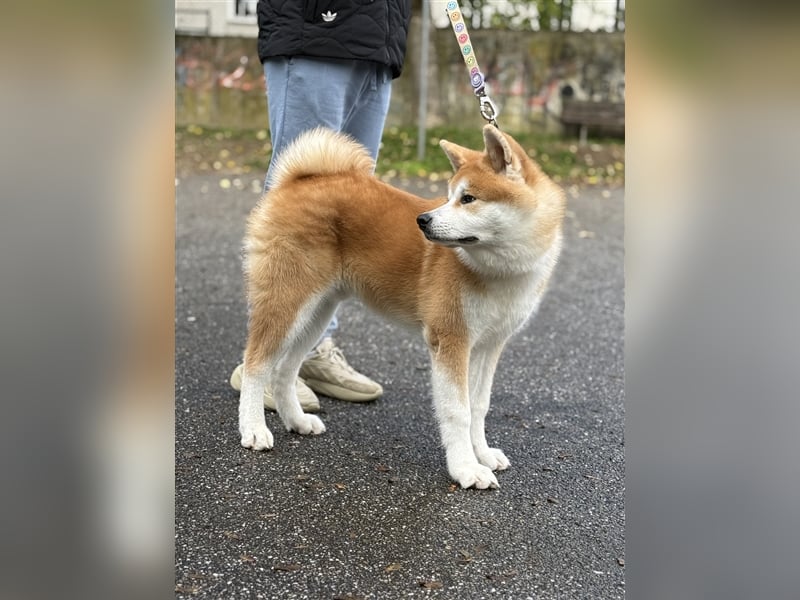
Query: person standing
[(329, 63)]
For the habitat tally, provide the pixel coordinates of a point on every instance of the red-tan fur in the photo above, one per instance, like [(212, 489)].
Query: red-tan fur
[(328, 229), (314, 231)]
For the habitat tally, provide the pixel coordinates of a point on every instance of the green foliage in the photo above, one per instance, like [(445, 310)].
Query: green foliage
[(243, 155), (602, 161), (540, 15)]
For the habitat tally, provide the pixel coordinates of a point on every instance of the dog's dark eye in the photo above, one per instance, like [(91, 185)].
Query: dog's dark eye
[(467, 198)]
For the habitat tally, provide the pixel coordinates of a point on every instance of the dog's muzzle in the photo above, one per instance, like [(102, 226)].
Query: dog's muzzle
[(424, 221)]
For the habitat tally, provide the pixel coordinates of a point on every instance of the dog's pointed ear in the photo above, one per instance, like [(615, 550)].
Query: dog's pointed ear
[(457, 155), (501, 154)]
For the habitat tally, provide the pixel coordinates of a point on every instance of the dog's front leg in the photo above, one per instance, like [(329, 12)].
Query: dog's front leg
[(482, 365), (451, 401)]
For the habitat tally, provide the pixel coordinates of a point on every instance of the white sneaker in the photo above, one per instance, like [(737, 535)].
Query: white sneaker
[(326, 372), (308, 399)]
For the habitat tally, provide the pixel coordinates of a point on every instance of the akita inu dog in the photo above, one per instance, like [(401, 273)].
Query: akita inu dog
[(467, 272)]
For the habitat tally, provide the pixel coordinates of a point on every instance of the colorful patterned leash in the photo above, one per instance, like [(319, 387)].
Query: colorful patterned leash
[(488, 108)]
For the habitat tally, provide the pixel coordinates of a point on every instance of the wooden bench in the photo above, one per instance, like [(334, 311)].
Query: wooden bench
[(604, 115)]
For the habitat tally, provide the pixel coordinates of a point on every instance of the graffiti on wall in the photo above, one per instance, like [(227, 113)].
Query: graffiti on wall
[(202, 64)]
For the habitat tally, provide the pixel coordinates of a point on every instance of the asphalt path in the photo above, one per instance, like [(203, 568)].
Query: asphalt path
[(367, 510)]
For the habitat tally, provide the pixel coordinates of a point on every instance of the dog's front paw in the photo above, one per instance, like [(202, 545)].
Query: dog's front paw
[(306, 424), (474, 475), (256, 436), (493, 458)]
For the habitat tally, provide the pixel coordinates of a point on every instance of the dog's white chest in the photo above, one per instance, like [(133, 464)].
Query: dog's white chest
[(507, 302), (496, 313)]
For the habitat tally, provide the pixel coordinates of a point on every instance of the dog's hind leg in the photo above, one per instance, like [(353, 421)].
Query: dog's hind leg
[(482, 365), (306, 330), (252, 423), (274, 363), (450, 363)]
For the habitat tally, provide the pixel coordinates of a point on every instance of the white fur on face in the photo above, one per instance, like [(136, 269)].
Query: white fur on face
[(454, 193), (479, 223)]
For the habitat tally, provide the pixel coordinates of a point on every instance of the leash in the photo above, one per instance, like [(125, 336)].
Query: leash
[(487, 107)]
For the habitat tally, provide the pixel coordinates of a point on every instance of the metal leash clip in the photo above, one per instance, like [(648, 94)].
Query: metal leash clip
[(488, 109)]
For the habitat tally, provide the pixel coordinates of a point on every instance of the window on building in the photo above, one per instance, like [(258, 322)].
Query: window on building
[(245, 8)]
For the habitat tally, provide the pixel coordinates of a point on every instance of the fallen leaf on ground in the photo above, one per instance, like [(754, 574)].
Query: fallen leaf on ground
[(287, 567), (430, 585)]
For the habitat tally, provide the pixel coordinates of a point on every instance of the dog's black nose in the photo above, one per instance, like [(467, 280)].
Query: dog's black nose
[(424, 220)]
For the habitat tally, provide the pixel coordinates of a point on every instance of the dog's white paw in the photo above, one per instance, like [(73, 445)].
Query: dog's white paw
[(306, 424), (493, 458), (256, 436), (474, 475)]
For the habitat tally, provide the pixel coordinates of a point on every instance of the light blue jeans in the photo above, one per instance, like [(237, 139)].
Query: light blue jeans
[(351, 96)]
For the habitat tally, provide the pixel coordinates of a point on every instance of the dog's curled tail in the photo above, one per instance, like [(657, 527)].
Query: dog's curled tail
[(319, 151)]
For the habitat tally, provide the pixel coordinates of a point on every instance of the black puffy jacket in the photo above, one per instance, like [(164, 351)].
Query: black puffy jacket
[(374, 30)]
